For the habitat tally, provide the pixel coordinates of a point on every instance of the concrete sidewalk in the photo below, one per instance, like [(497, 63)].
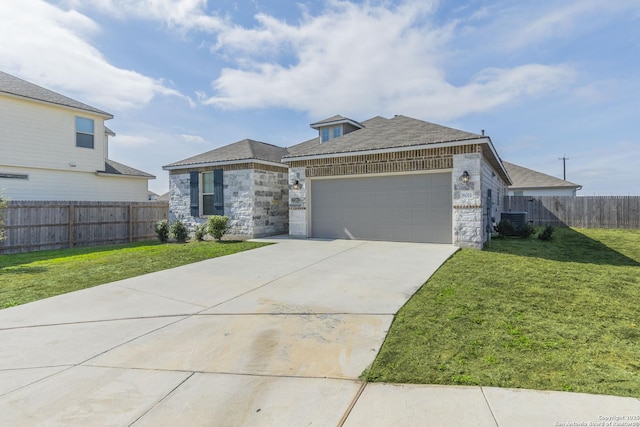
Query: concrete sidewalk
[(274, 336)]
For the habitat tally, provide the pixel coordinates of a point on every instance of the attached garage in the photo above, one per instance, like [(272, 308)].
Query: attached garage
[(397, 179), (403, 208)]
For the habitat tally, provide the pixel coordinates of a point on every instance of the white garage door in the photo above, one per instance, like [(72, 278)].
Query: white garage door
[(402, 208)]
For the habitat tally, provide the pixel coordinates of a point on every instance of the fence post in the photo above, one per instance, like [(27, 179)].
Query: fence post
[(72, 218), (130, 223)]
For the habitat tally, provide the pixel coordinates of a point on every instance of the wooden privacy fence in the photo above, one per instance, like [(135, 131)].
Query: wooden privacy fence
[(35, 225), (584, 212)]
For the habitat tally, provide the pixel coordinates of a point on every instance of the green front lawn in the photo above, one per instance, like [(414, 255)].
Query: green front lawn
[(36, 275), (561, 315)]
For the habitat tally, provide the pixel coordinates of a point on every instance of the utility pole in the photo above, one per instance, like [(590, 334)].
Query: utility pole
[(564, 159)]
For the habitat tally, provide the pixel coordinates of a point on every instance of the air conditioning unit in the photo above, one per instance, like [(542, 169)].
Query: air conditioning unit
[(518, 219)]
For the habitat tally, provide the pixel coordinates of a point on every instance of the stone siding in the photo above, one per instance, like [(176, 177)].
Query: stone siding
[(467, 201), (256, 201), (271, 203), (298, 223)]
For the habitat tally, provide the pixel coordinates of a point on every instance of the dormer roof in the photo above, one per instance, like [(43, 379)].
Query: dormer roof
[(335, 120)]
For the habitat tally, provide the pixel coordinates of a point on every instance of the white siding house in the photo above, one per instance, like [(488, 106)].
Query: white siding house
[(528, 182), (55, 148)]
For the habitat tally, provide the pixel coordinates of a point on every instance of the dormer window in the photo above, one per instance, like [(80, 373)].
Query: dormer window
[(325, 134), (335, 127)]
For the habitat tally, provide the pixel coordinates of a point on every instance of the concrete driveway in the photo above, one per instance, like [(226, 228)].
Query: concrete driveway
[(274, 336)]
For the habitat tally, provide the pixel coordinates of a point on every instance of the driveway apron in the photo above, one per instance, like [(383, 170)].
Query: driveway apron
[(274, 336)]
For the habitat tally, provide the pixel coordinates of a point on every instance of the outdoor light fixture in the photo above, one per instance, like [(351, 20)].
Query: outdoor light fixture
[(465, 177), (297, 185)]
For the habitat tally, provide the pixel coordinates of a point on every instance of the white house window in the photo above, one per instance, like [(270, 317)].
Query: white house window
[(207, 194), (84, 132), (337, 132), (325, 134)]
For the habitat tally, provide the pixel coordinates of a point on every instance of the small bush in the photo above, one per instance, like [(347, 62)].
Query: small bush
[(200, 231), (162, 230), (179, 231), (546, 234), (505, 228), (525, 231), (218, 225)]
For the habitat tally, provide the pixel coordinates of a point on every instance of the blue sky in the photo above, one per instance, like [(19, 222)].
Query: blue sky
[(544, 79)]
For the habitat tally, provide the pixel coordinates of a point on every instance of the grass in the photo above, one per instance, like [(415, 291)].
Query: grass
[(36, 275), (560, 315)]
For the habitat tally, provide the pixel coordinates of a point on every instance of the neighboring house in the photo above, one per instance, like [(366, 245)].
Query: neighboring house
[(527, 182), (56, 148), (245, 181), (397, 179)]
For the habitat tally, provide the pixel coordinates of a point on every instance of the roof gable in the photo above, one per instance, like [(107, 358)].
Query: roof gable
[(247, 149), (528, 178), (381, 133), (17, 87)]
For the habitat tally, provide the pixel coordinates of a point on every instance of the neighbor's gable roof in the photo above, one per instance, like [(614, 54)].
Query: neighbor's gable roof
[(17, 87), (381, 133), (118, 169), (528, 178), (245, 150)]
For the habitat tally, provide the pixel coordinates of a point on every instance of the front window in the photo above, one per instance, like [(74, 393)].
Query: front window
[(337, 131), (84, 132), (207, 194)]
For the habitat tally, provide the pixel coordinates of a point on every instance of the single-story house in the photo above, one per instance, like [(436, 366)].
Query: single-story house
[(528, 182), (245, 181), (398, 179), (53, 147)]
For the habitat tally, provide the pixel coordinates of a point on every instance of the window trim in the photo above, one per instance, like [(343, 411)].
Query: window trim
[(202, 194), (84, 132)]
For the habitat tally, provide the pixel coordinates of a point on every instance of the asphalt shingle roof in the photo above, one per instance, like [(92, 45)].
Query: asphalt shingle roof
[(247, 149), (380, 133), (115, 168), (527, 178), (18, 87)]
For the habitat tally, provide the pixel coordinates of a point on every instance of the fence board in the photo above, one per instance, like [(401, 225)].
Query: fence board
[(43, 225), (582, 212)]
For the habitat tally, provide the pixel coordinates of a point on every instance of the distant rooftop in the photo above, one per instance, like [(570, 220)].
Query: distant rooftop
[(528, 178)]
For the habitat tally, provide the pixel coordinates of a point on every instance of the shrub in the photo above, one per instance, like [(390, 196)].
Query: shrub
[(200, 231), (218, 225), (179, 231), (162, 230), (546, 234), (505, 228), (525, 231)]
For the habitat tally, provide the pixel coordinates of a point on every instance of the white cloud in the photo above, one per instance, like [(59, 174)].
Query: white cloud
[(179, 14), (193, 139), (130, 141), (51, 47), (529, 23), (365, 58)]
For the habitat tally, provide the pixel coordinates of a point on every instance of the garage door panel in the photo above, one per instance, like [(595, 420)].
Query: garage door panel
[(415, 208)]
